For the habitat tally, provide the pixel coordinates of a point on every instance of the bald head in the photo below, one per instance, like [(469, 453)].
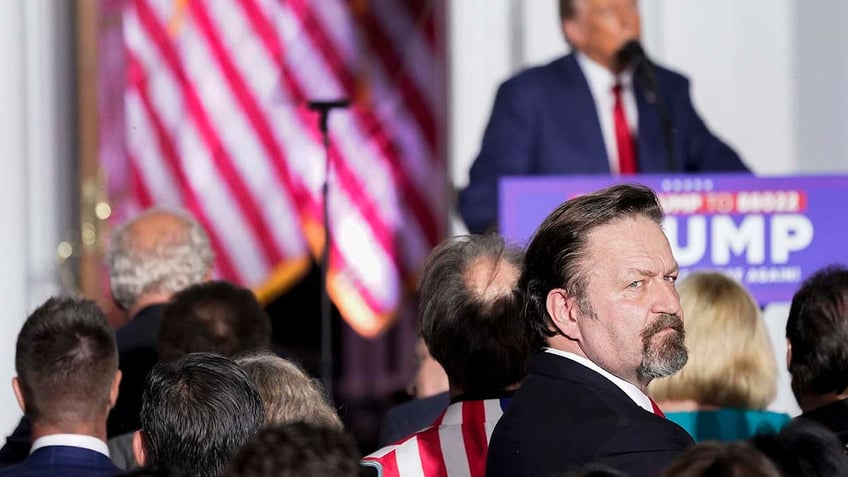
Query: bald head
[(158, 253), (489, 278), (470, 313), (156, 227)]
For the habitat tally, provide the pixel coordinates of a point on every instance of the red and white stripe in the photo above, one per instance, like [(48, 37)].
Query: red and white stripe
[(455, 445), (217, 123)]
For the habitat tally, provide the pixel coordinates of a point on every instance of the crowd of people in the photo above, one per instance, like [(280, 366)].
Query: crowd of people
[(578, 355)]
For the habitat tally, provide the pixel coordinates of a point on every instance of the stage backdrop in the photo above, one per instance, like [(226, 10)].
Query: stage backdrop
[(768, 233)]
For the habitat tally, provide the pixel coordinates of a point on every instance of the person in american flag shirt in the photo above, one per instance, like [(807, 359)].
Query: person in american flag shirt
[(469, 317)]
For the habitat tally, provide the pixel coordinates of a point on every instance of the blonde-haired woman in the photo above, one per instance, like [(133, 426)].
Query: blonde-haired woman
[(731, 375)]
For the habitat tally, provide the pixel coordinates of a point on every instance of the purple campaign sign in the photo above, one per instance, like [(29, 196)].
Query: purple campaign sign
[(768, 233)]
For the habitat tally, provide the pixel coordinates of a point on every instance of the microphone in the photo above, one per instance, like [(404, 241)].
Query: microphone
[(632, 54), (645, 73)]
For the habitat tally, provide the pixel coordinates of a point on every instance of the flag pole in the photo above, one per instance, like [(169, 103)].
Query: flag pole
[(323, 108)]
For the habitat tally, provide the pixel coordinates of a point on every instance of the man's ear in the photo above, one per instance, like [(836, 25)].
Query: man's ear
[(573, 33), (19, 395), (113, 391), (138, 449), (115, 302), (562, 309)]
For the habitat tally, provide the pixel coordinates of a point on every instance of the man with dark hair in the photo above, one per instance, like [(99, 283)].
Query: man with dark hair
[(469, 318), (590, 112), (196, 412), (213, 317), (297, 449), (599, 280), (817, 355), (67, 366)]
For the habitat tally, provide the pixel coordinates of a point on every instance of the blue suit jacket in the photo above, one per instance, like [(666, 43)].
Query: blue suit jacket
[(63, 461), (544, 122)]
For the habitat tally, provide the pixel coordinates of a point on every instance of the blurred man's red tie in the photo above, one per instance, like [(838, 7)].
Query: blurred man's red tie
[(623, 138)]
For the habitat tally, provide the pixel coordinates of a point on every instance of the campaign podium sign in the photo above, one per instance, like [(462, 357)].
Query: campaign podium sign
[(770, 233)]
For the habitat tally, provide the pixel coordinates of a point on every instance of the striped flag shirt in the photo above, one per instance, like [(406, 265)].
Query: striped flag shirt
[(455, 445)]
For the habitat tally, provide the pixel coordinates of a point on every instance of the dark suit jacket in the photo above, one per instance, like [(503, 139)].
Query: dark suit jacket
[(410, 417), (544, 122), (833, 416), (63, 461), (17, 445), (566, 415), (137, 355)]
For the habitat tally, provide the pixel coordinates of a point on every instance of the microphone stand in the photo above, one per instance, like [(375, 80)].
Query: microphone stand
[(646, 73), (649, 84), (323, 109)]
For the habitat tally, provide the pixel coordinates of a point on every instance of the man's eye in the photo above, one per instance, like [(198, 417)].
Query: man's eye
[(671, 278), (636, 284)]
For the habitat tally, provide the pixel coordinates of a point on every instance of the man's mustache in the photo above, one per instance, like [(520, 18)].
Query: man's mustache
[(664, 321)]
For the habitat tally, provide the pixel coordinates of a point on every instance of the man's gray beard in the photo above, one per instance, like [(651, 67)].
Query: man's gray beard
[(665, 357)]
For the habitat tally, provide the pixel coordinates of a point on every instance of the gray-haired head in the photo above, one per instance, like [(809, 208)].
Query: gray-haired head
[(158, 252), (288, 393)]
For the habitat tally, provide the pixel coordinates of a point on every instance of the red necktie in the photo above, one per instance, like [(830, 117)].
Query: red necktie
[(657, 409), (623, 138)]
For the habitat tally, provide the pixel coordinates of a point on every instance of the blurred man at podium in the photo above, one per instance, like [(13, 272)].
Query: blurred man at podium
[(604, 108)]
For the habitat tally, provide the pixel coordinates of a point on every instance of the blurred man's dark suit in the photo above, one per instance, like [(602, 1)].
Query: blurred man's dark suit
[(544, 122)]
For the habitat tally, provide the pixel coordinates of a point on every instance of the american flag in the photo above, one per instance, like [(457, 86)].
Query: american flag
[(215, 99)]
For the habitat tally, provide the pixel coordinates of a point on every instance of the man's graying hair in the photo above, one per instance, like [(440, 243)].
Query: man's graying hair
[(557, 254), (288, 393), (175, 261)]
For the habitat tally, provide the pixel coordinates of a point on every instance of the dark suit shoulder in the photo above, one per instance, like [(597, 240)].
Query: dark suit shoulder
[(566, 415), (140, 331), (671, 76), (544, 72), (531, 80), (834, 416), (56, 461), (410, 417)]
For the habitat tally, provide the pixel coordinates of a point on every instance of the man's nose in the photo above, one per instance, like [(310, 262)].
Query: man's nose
[(667, 300)]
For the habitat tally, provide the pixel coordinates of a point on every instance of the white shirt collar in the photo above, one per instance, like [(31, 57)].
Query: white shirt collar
[(71, 440), (600, 79), (632, 391)]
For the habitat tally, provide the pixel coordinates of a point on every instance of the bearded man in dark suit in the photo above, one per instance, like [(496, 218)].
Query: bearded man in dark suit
[(599, 280)]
